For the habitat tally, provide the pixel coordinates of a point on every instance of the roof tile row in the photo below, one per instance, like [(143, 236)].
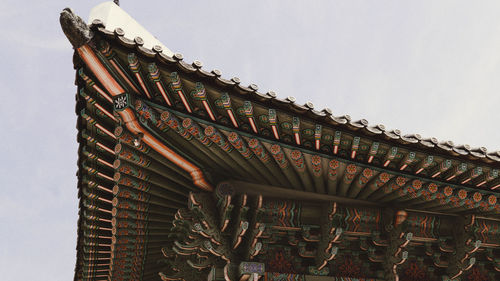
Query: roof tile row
[(289, 103)]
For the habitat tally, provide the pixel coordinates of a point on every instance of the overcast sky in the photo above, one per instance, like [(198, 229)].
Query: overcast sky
[(429, 67)]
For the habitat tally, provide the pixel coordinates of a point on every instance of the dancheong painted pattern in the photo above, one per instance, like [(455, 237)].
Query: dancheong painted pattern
[(185, 175)]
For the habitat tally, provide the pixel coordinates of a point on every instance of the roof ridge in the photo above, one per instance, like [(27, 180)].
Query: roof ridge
[(378, 129)]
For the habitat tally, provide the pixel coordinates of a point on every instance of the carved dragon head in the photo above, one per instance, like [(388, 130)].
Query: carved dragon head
[(74, 28)]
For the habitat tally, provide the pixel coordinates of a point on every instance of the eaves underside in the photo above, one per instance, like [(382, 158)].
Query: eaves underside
[(218, 130)]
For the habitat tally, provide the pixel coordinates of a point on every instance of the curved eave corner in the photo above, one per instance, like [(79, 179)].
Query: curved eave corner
[(80, 36)]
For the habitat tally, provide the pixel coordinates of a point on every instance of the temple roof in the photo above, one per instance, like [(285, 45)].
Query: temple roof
[(154, 129), (490, 161), (362, 126)]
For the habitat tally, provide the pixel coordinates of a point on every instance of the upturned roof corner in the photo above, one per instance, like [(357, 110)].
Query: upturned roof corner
[(186, 175)]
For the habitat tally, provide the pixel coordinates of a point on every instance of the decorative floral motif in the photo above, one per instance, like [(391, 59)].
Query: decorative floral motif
[(327, 137), (462, 194), (286, 126), (448, 191), (298, 160), (414, 272), (433, 188), (348, 268), (351, 172), (258, 150), (121, 102), (332, 171), (279, 156), (278, 262), (316, 165), (475, 274), (308, 132)]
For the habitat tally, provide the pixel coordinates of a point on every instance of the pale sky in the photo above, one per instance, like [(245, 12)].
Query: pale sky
[(427, 67)]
